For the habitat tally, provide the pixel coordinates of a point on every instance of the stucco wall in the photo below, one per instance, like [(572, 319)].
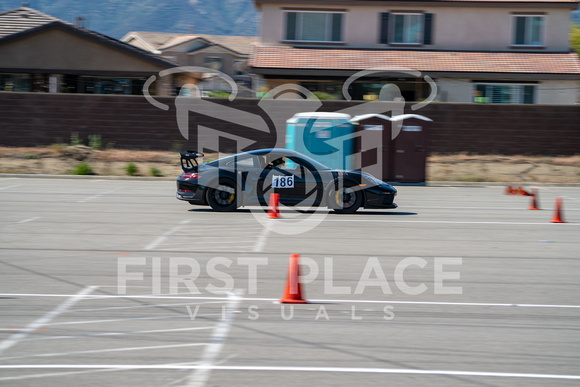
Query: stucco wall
[(455, 28)]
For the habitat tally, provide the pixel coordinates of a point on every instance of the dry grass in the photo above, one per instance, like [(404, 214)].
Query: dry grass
[(60, 159), (541, 169)]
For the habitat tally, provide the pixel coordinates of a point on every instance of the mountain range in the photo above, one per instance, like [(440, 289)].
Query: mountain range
[(115, 18)]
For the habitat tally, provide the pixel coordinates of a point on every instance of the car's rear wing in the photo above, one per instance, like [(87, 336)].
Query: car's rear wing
[(188, 158)]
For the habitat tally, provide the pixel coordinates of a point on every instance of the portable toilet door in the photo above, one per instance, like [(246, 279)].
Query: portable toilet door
[(372, 144), (324, 136), (409, 149)]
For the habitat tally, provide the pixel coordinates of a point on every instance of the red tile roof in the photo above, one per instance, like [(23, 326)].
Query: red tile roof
[(287, 57)]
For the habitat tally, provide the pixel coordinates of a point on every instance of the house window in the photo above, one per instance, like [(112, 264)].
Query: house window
[(15, 82), (406, 28), (528, 30), (214, 63), (504, 93), (314, 26)]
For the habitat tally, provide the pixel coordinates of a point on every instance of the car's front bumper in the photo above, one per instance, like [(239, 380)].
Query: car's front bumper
[(379, 197)]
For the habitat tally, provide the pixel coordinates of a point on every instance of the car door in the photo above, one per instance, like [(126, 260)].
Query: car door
[(285, 178)]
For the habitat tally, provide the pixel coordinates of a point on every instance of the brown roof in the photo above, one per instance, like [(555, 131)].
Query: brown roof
[(286, 57), (21, 19), (164, 41), (24, 21)]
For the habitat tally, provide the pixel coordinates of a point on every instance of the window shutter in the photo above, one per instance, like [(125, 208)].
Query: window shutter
[(428, 29), (384, 37), (291, 26), (336, 27), (520, 33)]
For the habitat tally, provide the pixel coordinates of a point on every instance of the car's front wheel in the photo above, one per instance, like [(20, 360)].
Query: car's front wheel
[(345, 200), (223, 197)]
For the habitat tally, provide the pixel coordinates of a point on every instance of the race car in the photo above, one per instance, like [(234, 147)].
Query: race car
[(250, 178)]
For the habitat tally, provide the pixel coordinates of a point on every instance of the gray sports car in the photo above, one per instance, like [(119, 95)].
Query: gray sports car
[(249, 178)]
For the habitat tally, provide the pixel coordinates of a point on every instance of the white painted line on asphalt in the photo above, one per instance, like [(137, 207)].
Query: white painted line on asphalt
[(354, 370), (450, 303), (28, 220), (170, 297), (9, 187), (523, 208), (200, 377), (166, 235), (97, 196), (82, 336), (261, 241), (141, 306), (20, 222), (547, 223), (127, 319), (56, 354), (90, 371), (47, 318)]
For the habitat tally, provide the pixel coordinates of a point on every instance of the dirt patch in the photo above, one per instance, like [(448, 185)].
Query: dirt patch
[(539, 169), (62, 160)]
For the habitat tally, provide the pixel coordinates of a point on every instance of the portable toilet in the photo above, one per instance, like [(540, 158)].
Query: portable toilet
[(409, 155), (324, 136), (392, 148)]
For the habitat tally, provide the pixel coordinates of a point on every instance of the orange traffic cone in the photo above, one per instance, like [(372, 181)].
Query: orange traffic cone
[(523, 192), (293, 292), (534, 203), (511, 190), (558, 212), (508, 190), (273, 211)]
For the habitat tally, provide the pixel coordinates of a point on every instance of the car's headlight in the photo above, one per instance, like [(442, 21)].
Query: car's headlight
[(373, 179)]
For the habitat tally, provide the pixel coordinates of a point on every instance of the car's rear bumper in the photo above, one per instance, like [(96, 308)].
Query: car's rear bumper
[(192, 193)]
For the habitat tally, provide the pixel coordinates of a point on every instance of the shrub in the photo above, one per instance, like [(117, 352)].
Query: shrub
[(321, 95), (132, 169), (75, 139), (218, 94), (95, 141), (155, 172), (82, 169)]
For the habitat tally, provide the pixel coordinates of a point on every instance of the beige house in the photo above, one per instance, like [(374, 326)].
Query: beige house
[(40, 53), (226, 54), (486, 51)]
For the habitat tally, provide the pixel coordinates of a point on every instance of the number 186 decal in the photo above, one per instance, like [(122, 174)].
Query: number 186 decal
[(283, 181)]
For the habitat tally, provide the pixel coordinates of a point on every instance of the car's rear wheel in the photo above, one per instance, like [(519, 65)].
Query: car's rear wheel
[(346, 199), (223, 197)]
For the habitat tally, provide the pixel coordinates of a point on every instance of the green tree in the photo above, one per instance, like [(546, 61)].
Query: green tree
[(575, 37)]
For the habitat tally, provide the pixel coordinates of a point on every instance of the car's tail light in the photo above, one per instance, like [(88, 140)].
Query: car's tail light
[(187, 176)]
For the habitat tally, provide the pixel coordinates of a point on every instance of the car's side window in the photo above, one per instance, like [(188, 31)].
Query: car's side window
[(247, 162)]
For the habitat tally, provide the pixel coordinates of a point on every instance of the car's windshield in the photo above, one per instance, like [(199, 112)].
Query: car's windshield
[(318, 166)]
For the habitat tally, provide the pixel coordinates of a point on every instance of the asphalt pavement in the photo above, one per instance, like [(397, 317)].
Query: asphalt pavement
[(117, 282)]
